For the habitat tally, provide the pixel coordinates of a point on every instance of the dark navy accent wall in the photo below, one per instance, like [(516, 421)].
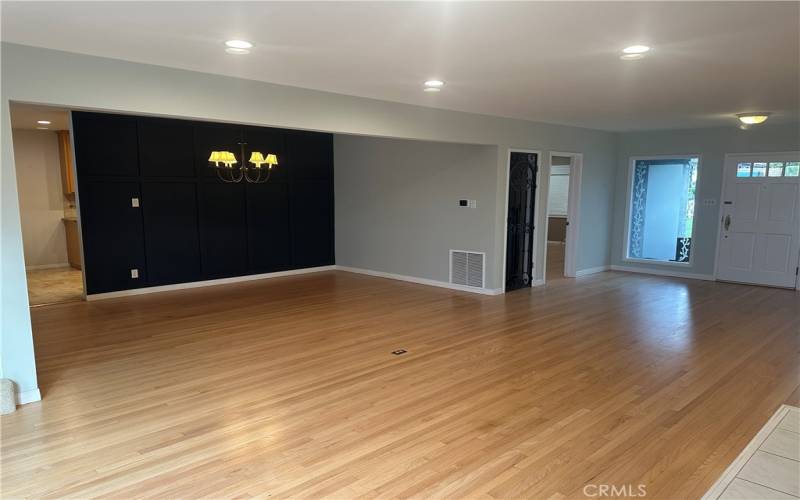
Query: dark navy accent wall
[(191, 226)]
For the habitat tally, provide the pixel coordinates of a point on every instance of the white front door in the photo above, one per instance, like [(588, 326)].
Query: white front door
[(760, 226)]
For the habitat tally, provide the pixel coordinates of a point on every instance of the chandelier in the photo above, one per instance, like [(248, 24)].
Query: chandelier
[(254, 171)]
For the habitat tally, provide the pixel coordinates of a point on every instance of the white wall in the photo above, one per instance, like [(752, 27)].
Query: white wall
[(41, 198), (87, 82)]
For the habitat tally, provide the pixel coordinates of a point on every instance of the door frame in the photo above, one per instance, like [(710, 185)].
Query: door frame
[(729, 156), (573, 212), (536, 208)]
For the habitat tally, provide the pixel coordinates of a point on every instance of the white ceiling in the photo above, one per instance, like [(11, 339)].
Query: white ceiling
[(543, 61)]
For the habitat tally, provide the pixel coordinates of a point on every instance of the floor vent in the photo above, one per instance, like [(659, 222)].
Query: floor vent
[(466, 268)]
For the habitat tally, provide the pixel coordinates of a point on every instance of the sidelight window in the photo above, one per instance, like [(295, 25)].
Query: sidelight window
[(661, 209)]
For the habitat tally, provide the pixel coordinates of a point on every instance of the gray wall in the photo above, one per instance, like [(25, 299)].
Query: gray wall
[(94, 83), (711, 144), (397, 205)]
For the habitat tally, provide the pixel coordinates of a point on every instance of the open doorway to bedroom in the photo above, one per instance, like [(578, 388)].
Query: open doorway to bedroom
[(48, 209), (562, 209)]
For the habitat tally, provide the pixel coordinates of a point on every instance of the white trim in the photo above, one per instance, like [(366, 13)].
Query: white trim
[(198, 284), (535, 283), (536, 208), (47, 266), (664, 272), (421, 281), (628, 201), (573, 211), (29, 396), (733, 469), (591, 270)]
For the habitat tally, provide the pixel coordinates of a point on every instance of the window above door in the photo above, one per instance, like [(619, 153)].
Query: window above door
[(767, 169)]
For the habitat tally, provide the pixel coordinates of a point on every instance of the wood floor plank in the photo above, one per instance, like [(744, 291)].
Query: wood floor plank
[(287, 388)]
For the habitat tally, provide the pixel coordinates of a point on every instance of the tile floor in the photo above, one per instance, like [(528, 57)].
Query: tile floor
[(769, 467), (54, 286)]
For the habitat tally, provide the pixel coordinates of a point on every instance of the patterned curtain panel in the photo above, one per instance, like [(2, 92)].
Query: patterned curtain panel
[(638, 206)]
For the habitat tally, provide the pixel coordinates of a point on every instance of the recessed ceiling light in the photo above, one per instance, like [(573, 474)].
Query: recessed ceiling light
[(434, 83), (42, 128), (239, 44), (631, 57), (43, 122), (431, 89), (752, 118), (636, 49), (237, 52)]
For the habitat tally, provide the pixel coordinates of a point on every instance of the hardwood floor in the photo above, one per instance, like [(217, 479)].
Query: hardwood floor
[(54, 286), (288, 388)]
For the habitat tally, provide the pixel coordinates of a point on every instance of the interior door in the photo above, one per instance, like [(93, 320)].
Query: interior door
[(760, 226), (519, 233)]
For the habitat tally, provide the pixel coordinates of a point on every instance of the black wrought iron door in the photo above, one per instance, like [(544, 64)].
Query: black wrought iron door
[(519, 245)]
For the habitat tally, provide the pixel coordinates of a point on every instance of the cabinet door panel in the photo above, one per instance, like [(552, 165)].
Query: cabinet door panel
[(312, 224), (105, 144), (172, 243), (309, 155), (166, 148), (210, 137), (113, 236), (268, 227), (223, 229)]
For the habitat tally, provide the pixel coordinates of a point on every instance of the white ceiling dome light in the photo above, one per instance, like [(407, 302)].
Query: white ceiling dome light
[(238, 47), (753, 118), (636, 49), (634, 52)]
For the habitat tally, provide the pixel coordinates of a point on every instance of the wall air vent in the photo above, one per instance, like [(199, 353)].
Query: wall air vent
[(467, 268)]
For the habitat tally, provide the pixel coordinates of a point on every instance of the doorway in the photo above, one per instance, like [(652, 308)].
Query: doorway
[(557, 216), (563, 211), (48, 206), (522, 173), (759, 237)]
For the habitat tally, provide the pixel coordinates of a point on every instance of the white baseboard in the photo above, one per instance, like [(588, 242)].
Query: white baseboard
[(664, 272), (591, 270), (29, 396), (47, 266), (421, 281), (198, 284), (536, 283)]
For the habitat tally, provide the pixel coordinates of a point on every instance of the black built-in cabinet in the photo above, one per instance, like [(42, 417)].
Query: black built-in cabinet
[(189, 225)]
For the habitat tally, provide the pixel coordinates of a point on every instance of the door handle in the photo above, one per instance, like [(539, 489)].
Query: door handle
[(727, 223)]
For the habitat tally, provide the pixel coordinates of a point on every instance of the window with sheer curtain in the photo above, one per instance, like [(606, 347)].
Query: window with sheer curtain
[(661, 209)]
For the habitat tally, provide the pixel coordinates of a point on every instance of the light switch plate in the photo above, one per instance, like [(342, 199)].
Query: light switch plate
[(473, 203), (135, 202), (134, 273)]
